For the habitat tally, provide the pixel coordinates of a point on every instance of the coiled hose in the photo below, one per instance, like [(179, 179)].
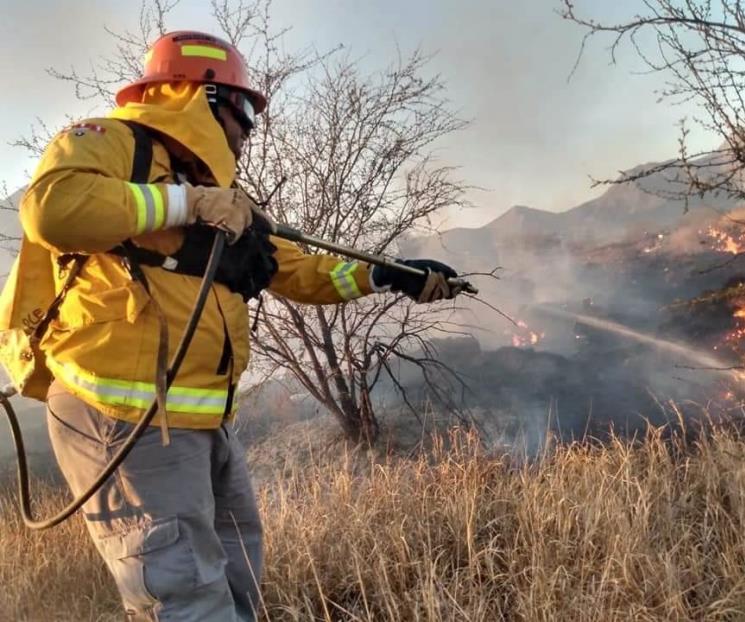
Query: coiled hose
[(24, 492)]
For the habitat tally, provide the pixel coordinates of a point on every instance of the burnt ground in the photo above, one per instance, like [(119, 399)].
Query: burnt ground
[(582, 381)]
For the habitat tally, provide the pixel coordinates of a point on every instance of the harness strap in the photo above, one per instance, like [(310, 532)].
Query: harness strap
[(144, 256), (142, 159), (53, 309), (134, 257)]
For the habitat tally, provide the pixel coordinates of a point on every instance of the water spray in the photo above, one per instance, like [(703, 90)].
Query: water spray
[(704, 360)]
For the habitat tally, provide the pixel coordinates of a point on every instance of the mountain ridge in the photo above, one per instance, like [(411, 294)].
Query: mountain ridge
[(633, 209), (624, 209)]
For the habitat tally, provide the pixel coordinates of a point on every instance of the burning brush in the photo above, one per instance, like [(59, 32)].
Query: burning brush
[(725, 242), (524, 337)]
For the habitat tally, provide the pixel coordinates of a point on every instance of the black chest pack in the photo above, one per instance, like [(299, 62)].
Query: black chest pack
[(246, 267)]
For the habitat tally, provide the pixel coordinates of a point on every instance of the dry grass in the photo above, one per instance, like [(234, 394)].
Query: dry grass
[(52, 575), (614, 533)]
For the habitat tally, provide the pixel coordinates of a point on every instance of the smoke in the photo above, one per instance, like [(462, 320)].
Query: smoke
[(609, 333)]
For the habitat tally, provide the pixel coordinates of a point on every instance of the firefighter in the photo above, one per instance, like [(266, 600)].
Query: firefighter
[(138, 196)]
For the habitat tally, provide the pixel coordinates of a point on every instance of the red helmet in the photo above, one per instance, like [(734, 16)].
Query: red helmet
[(194, 57)]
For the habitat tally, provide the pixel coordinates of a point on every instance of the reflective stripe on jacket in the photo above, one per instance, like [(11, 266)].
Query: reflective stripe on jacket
[(103, 344)]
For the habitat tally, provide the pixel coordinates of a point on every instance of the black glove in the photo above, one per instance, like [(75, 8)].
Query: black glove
[(246, 267), (426, 288)]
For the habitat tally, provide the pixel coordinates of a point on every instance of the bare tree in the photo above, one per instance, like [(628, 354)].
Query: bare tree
[(699, 48), (357, 153)]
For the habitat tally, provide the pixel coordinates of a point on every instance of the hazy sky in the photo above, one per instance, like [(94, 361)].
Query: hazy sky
[(535, 136)]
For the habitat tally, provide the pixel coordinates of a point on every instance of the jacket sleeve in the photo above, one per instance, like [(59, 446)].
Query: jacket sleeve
[(317, 279), (80, 199)]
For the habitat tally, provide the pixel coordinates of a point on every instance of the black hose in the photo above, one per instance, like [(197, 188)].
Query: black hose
[(23, 481)]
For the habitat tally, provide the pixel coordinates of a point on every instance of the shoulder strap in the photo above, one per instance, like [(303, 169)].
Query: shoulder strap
[(143, 154), (142, 160)]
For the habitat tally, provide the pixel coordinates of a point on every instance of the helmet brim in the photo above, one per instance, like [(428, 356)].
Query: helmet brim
[(133, 93)]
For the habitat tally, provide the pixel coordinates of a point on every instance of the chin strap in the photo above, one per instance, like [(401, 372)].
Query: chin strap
[(213, 98), (214, 102), (211, 90)]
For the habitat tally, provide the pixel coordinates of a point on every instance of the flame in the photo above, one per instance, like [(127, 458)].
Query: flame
[(732, 243), (735, 339), (725, 242), (525, 337)]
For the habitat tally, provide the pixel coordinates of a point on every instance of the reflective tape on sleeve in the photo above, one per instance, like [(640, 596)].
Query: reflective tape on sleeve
[(151, 211), (342, 276)]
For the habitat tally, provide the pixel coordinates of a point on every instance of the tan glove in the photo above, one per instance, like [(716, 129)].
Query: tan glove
[(229, 209)]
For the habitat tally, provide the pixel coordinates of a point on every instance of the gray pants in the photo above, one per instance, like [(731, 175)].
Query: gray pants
[(177, 526)]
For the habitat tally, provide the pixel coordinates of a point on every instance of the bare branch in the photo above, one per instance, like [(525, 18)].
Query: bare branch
[(699, 46)]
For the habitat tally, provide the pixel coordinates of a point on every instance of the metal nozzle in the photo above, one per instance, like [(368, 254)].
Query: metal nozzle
[(464, 285), (295, 235)]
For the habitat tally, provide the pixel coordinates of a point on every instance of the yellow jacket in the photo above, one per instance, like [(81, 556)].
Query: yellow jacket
[(103, 344)]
